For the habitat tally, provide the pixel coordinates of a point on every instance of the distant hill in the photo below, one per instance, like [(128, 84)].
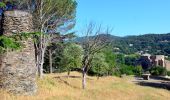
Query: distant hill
[(150, 43), (108, 36)]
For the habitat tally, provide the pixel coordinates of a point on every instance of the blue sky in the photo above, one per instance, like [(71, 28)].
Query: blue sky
[(126, 17)]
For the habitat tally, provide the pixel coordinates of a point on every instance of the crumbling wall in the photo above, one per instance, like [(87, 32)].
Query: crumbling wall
[(17, 68), (17, 22)]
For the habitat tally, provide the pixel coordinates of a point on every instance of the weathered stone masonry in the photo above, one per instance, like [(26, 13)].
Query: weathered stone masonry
[(17, 68)]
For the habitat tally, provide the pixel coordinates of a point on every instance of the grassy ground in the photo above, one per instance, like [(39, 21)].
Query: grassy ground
[(57, 87)]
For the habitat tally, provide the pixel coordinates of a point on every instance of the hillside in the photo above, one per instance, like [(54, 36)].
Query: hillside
[(150, 43), (59, 87)]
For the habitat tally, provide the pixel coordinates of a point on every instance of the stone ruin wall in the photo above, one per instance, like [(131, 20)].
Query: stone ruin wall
[(17, 22), (17, 68)]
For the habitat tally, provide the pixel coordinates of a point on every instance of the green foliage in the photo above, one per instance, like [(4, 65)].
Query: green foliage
[(131, 60), (72, 57), (168, 73), (57, 57), (158, 70), (150, 43), (128, 70), (138, 70), (98, 66), (110, 59), (120, 58), (14, 42), (8, 43), (2, 5)]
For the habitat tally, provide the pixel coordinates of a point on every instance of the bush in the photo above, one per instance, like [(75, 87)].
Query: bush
[(168, 73), (138, 70), (158, 70), (129, 70), (98, 66)]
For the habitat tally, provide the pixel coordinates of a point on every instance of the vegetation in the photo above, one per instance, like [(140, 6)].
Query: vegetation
[(168, 73), (56, 86), (72, 57), (94, 54), (150, 43), (14, 42), (158, 70), (99, 66)]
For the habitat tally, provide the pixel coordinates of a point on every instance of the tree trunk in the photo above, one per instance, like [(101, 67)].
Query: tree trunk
[(40, 60), (83, 79), (40, 65), (50, 61), (40, 71), (98, 77), (68, 74)]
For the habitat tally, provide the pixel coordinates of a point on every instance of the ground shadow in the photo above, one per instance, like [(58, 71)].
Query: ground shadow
[(62, 80), (68, 77), (164, 85), (156, 82), (66, 82)]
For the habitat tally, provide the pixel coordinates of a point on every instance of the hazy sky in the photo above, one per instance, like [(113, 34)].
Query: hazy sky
[(126, 17)]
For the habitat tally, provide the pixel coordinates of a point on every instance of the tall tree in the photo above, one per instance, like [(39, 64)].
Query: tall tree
[(93, 43), (54, 49), (49, 17)]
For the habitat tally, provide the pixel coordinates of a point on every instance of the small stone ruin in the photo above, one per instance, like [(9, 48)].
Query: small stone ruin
[(17, 68)]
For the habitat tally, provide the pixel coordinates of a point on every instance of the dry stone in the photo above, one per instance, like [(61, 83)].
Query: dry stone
[(17, 68), (17, 22)]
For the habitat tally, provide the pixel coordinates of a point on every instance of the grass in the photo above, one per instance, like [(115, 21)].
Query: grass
[(57, 87)]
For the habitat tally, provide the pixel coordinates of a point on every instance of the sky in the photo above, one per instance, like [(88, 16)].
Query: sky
[(125, 17)]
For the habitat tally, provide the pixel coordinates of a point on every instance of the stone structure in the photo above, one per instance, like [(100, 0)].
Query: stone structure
[(17, 22), (158, 60), (167, 64), (17, 68), (148, 60)]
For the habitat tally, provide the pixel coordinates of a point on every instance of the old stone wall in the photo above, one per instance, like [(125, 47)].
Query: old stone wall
[(17, 22), (17, 68)]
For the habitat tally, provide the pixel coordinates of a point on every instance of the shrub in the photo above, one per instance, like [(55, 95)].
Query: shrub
[(168, 73), (138, 70), (128, 70), (158, 70), (98, 66)]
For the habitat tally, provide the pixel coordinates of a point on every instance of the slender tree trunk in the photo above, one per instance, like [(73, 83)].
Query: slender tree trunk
[(83, 79), (40, 63), (98, 77), (40, 51), (40, 71), (50, 61), (68, 74)]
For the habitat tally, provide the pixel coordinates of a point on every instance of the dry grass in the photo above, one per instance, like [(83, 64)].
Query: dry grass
[(57, 87)]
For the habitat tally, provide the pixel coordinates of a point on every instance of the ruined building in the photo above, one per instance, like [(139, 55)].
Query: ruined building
[(17, 68), (148, 60)]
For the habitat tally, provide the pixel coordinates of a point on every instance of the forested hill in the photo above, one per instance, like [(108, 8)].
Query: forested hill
[(150, 43)]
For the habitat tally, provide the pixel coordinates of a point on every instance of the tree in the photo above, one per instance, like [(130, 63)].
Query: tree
[(92, 44), (49, 17), (72, 57), (99, 65), (54, 50), (110, 59)]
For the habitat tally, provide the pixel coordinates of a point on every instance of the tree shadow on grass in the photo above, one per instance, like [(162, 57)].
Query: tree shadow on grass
[(62, 80)]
